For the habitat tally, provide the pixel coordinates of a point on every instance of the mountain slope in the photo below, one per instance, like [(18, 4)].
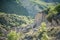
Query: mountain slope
[(13, 20), (12, 7), (26, 7)]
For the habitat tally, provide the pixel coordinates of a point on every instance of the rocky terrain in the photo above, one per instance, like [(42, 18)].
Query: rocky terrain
[(29, 29), (29, 19)]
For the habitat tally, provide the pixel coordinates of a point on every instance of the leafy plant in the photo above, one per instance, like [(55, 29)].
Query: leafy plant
[(13, 35), (44, 30), (45, 36), (57, 8)]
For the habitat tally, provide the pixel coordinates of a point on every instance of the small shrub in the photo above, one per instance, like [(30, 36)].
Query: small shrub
[(13, 35), (45, 36), (44, 30)]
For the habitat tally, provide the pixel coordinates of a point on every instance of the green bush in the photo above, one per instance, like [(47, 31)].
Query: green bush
[(13, 36), (45, 36), (57, 8), (43, 26), (44, 30), (53, 12)]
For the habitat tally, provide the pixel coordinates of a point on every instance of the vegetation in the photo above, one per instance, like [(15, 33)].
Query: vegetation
[(53, 14), (13, 20), (42, 4), (19, 27), (8, 21), (43, 32), (57, 8), (13, 35)]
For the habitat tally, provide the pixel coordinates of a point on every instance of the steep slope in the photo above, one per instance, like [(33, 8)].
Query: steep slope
[(12, 7), (35, 6), (25, 7), (13, 20)]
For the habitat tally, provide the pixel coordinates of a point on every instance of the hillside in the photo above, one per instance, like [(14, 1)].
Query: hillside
[(11, 23), (13, 20), (29, 19), (25, 7)]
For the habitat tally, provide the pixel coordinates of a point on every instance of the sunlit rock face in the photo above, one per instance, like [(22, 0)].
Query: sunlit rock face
[(23, 7)]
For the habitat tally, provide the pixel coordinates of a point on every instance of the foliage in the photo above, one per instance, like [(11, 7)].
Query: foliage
[(44, 36), (1, 34), (53, 12), (57, 8), (14, 20), (13, 35), (43, 32), (7, 21), (43, 27), (42, 4)]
